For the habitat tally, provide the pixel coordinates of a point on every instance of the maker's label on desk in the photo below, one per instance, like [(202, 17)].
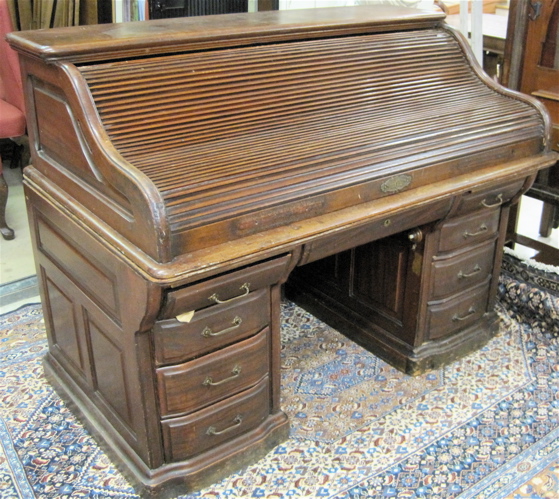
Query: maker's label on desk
[(396, 184)]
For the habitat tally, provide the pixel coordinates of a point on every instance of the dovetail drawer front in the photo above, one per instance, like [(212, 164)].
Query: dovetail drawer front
[(211, 328), (451, 315), (189, 435), (469, 229), (225, 288), (188, 387), (458, 271), (489, 198)]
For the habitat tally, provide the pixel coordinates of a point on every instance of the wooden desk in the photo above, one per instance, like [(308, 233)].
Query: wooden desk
[(182, 170)]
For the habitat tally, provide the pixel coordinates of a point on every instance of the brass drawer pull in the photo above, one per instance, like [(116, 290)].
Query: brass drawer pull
[(208, 333), (235, 374), (493, 205), (477, 270), (236, 422), (245, 287), (482, 229), (457, 318)]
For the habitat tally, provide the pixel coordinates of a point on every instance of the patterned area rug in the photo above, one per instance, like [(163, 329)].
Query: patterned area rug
[(484, 427)]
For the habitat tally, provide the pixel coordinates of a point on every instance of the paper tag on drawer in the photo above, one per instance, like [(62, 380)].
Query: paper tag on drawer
[(186, 317)]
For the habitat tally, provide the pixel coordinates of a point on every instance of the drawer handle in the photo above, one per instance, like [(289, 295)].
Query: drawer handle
[(208, 333), (235, 374), (245, 286), (499, 202), (482, 229), (236, 422), (470, 312), (477, 270)]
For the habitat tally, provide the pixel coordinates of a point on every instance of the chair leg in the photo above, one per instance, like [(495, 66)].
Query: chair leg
[(17, 155), (549, 219), (7, 233)]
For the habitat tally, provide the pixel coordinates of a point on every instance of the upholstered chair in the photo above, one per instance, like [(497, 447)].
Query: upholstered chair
[(12, 111)]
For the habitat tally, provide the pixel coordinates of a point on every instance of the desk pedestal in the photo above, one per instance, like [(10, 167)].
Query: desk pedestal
[(417, 305)]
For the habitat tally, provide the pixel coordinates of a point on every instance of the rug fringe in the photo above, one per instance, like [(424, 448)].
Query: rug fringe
[(532, 263)]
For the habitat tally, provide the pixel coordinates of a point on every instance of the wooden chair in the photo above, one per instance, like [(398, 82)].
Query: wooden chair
[(12, 111), (531, 66)]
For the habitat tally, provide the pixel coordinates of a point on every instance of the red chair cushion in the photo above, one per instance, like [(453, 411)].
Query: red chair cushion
[(12, 121), (9, 62)]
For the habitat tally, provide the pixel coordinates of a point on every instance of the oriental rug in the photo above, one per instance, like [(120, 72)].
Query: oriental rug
[(484, 427)]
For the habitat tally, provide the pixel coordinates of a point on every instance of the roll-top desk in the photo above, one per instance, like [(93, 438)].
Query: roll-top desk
[(184, 170)]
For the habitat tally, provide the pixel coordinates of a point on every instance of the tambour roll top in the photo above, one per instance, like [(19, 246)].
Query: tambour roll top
[(228, 134), (255, 134)]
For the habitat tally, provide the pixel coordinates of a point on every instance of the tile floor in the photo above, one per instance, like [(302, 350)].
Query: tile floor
[(18, 283)]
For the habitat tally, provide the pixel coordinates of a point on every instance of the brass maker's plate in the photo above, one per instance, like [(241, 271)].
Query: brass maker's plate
[(396, 184)]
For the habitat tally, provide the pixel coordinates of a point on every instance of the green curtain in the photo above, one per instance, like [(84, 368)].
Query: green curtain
[(38, 14)]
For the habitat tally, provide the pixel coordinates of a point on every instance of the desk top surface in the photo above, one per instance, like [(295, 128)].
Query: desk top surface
[(109, 41)]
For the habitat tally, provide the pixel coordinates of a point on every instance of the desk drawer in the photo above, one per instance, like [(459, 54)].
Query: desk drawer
[(225, 288), (469, 229), (453, 274), (211, 328), (188, 387), (451, 315), (348, 238), (489, 198), (190, 435)]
